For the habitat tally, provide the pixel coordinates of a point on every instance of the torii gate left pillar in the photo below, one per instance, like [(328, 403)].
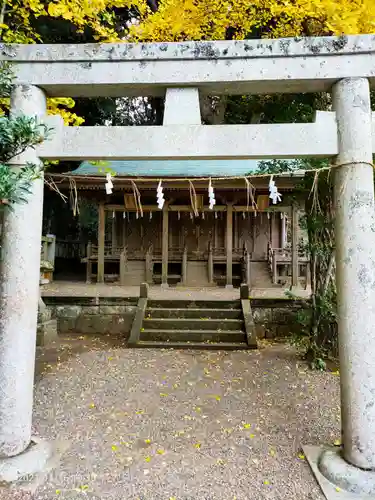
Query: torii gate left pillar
[(19, 295)]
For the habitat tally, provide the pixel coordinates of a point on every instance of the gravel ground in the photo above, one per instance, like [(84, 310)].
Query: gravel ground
[(181, 425)]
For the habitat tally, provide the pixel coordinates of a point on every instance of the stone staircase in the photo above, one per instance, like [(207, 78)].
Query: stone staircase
[(208, 324)]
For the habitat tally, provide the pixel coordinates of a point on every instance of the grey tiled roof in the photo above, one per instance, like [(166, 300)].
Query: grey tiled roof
[(172, 168)]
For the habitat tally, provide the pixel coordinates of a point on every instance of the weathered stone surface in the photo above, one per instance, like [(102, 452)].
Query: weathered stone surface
[(244, 292), (99, 324), (144, 290), (44, 315), (284, 330), (261, 331), (66, 325), (19, 294), (181, 107), (46, 332), (90, 310), (23, 466), (215, 67), (262, 315), (290, 140), (346, 476), (271, 331), (89, 324), (118, 301), (114, 309), (68, 311), (355, 269), (284, 316), (122, 324)]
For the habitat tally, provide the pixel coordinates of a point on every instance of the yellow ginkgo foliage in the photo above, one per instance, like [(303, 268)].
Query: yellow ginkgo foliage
[(173, 20), (61, 106), (55, 106), (180, 20), (16, 17), (210, 19)]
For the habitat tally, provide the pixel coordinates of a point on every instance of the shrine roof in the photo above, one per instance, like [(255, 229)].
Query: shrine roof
[(171, 168)]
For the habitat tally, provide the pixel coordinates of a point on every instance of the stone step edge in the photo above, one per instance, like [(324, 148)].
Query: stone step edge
[(185, 320), (199, 303), (195, 309), (206, 332), (193, 345)]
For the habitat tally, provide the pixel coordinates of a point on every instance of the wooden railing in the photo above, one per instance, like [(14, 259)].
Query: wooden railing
[(123, 255), (282, 258), (109, 251), (174, 253), (70, 249), (220, 253)]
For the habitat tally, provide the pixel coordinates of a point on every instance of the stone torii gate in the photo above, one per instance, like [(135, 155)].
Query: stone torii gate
[(344, 66)]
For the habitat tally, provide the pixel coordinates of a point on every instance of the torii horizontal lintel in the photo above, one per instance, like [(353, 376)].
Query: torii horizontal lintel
[(214, 67), (168, 142)]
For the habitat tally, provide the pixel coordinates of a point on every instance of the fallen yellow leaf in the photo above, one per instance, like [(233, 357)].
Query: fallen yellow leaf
[(148, 459), (197, 445), (301, 456), (246, 426), (147, 441), (58, 492), (266, 482), (160, 452), (252, 436), (163, 394), (114, 447)]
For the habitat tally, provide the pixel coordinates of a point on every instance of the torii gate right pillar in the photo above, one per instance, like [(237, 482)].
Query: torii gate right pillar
[(353, 467), (355, 264)]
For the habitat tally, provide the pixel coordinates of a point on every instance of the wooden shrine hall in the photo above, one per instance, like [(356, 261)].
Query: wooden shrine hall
[(242, 238)]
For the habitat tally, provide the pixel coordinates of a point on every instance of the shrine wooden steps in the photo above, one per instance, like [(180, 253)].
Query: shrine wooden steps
[(184, 324)]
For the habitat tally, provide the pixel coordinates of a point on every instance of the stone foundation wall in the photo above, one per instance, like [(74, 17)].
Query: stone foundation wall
[(93, 315), (277, 318), (85, 315)]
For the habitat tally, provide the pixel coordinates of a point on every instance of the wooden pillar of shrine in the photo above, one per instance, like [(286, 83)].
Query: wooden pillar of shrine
[(283, 230), (164, 248), (295, 265), (101, 242), (114, 232), (229, 246)]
